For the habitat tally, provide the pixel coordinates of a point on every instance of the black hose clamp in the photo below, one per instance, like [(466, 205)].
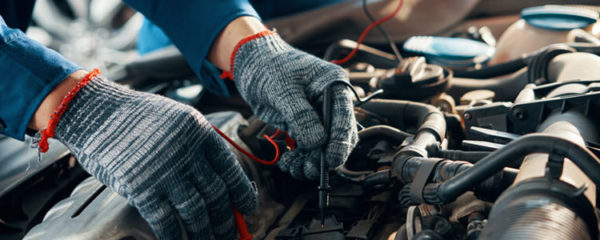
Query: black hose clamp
[(418, 185)]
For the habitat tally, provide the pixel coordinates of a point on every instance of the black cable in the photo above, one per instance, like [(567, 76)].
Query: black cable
[(469, 156), (377, 178), (446, 170), (494, 70), (324, 187), (360, 101), (383, 32), (324, 174), (367, 98), (384, 131), (350, 175)]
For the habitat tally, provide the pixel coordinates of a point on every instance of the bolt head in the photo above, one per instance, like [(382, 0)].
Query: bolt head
[(467, 116)]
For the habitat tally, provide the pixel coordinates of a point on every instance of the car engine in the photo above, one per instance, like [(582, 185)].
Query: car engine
[(463, 137)]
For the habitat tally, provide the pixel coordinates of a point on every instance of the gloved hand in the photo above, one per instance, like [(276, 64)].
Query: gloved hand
[(284, 87), (163, 156)]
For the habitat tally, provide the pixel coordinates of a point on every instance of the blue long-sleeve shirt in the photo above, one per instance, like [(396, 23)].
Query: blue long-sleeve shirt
[(29, 71)]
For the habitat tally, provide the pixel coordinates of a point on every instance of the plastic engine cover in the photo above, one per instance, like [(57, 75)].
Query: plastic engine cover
[(107, 216)]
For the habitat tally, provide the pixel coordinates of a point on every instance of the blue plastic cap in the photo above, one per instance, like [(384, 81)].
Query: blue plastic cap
[(452, 51), (559, 18)]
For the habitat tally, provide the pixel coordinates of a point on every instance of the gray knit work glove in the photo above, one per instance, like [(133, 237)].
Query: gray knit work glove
[(161, 155), (284, 87)]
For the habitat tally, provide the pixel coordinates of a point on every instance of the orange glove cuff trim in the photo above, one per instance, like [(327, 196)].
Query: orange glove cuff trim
[(229, 74), (50, 130)]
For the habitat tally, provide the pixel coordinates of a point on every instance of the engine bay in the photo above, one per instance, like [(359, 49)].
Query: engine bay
[(454, 143)]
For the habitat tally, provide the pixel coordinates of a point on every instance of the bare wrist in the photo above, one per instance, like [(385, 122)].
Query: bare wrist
[(53, 99), (236, 30)]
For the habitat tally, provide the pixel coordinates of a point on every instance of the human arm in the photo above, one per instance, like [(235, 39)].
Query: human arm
[(35, 80), (29, 72), (343, 139), (293, 87)]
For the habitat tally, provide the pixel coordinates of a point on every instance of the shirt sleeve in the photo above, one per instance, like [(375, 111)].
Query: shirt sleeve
[(193, 25), (29, 71)]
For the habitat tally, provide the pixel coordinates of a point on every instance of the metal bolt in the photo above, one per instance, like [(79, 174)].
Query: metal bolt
[(520, 113), (467, 116)]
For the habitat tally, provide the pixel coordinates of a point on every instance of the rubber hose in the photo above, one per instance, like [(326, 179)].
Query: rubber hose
[(386, 131), (493, 71), (532, 143)]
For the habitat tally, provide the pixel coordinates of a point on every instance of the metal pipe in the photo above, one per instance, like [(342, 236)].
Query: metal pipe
[(574, 127)]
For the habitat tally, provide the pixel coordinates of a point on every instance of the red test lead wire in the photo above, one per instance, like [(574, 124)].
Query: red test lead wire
[(238, 217), (241, 225), (364, 34), (255, 158)]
